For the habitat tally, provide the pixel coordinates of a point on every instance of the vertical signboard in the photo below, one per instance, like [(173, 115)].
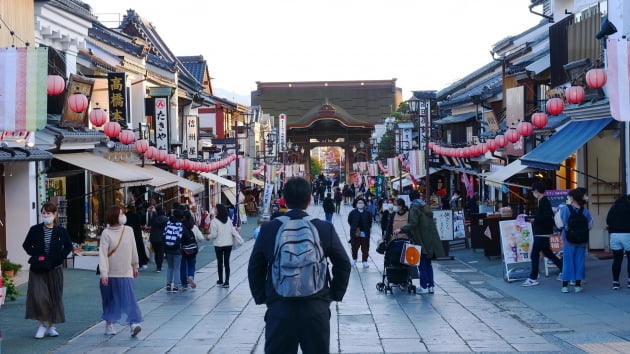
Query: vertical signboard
[(425, 118), (282, 130), (161, 123), (191, 136), (515, 113), (117, 91)]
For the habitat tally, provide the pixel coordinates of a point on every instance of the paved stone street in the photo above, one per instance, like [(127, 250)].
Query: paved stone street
[(471, 311)]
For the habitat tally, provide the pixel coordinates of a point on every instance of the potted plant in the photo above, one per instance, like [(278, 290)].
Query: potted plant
[(11, 291), (9, 268)]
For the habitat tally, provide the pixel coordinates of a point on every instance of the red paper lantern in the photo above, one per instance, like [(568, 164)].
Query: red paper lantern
[(539, 119), (555, 106), (111, 129), (151, 152), (160, 156), (170, 159), (186, 164), (483, 147), (575, 94), (98, 117), (492, 145), (525, 128), (126, 137), (78, 103), (431, 145), (596, 78), (460, 152), (477, 149), (512, 135), (141, 146), (56, 85), (501, 140), (179, 164)]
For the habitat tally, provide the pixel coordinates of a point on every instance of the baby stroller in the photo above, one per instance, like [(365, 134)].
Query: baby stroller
[(396, 273)]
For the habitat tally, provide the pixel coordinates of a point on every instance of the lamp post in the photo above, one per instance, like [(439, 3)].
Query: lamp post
[(423, 137), (246, 122)]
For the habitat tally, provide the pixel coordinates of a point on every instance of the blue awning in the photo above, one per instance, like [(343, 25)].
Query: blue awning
[(550, 154)]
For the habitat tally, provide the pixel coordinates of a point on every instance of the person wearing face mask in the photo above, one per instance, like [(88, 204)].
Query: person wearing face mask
[(360, 222), (542, 226), (398, 218), (118, 264), (386, 212), (48, 245)]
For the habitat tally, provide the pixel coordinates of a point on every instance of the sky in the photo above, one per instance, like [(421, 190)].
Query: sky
[(425, 45)]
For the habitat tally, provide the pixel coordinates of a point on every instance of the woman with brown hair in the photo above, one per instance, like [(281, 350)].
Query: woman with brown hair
[(118, 264), (48, 244)]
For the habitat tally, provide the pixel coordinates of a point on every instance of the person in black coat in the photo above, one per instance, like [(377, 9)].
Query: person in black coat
[(618, 224), (301, 321), (360, 221), (135, 221), (158, 223)]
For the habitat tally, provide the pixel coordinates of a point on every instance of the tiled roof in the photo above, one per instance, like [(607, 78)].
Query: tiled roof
[(196, 65), (486, 89), (115, 39), (75, 7), (11, 154)]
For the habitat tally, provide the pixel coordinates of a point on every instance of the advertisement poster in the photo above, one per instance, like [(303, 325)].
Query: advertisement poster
[(444, 222), (516, 241), (459, 231), (557, 197), (267, 200)]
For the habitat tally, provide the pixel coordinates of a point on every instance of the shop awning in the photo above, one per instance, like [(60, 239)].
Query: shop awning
[(550, 154), (97, 164), (257, 182), (230, 194), (193, 187), (497, 178), (161, 179), (218, 179)]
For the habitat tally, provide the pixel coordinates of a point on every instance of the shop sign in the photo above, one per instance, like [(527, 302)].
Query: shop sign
[(161, 123), (70, 119), (282, 131), (117, 90), (191, 136)]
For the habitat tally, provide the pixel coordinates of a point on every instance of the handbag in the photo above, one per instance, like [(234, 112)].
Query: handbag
[(237, 240), (410, 254), (40, 264), (98, 268), (382, 247)]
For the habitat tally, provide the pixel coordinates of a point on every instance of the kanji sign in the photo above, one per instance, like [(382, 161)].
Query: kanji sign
[(161, 123), (191, 136), (117, 98)]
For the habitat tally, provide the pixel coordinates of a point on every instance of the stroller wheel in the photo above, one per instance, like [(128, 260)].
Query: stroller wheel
[(413, 289), (389, 288), (380, 286)]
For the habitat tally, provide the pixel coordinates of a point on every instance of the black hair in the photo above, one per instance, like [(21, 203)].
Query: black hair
[(222, 213), (297, 193), (578, 196), (538, 187), (414, 194)]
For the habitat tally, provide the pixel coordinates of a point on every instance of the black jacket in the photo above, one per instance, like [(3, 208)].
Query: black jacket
[(261, 259), (157, 228), (362, 220), (329, 205), (60, 243), (543, 220), (618, 218)]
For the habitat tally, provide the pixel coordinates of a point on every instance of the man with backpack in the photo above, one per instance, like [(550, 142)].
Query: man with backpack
[(288, 271), (172, 247)]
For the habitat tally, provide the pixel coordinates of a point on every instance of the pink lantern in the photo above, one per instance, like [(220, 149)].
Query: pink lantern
[(170, 159), (492, 145), (56, 85), (179, 164), (525, 128), (126, 137), (596, 78), (186, 164), (512, 135), (555, 106), (98, 117), (460, 152), (575, 94), (539, 119), (477, 149), (141, 146), (431, 145), (501, 140), (111, 129), (160, 155), (78, 103), (151, 152), (483, 148)]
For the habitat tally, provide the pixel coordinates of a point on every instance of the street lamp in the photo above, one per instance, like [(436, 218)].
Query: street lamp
[(247, 116)]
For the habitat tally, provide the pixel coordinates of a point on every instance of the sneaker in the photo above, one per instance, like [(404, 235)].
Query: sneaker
[(559, 277), (158, 270), (135, 329), (169, 288), (192, 283), (578, 289), (565, 289), (421, 290), (52, 332), (41, 332), (431, 290), (109, 330), (226, 285), (219, 282), (530, 282), (354, 262), (185, 288), (572, 283), (366, 265), (144, 267), (175, 289), (616, 285)]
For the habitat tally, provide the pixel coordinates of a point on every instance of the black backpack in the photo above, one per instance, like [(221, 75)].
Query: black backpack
[(577, 226)]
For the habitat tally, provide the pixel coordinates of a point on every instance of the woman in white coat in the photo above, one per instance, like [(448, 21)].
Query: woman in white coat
[(221, 235)]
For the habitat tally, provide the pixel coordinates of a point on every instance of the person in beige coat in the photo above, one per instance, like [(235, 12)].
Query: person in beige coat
[(221, 235), (118, 265)]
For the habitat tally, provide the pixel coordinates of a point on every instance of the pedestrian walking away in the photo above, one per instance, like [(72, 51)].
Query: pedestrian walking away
[(329, 207), (47, 244), (173, 233), (118, 264), (221, 229), (156, 237), (618, 224), (360, 222), (135, 222), (542, 226), (338, 199), (298, 321), (190, 248)]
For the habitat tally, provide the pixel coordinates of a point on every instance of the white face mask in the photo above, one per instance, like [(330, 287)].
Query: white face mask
[(586, 197), (48, 220), (569, 200), (122, 219), (390, 206), (396, 208), (360, 206)]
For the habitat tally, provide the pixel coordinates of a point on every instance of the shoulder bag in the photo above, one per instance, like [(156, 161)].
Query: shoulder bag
[(109, 254)]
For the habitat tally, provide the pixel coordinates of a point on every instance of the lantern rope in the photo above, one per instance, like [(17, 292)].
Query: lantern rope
[(13, 34)]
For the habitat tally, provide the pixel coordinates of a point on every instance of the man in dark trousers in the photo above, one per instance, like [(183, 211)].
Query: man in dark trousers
[(303, 321)]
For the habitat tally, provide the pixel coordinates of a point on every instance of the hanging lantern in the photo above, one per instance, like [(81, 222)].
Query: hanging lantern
[(78, 103), (555, 106), (170, 159), (431, 145), (483, 147), (179, 164), (477, 149), (525, 128), (141, 146), (492, 145), (111, 129), (575, 94), (126, 137), (459, 152), (186, 164), (160, 156), (56, 85), (596, 78), (98, 116), (539, 119), (512, 135), (151, 152), (501, 140)]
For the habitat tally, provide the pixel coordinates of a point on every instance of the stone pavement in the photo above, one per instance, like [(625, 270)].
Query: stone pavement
[(472, 310)]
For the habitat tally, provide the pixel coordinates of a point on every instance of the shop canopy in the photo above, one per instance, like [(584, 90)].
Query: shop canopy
[(552, 153), (230, 194), (499, 177), (161, 179), (193, 187), (257, 182), (97, 164), (218, 179)]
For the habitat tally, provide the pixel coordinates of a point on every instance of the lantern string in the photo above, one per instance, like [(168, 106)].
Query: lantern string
[(13, 34)]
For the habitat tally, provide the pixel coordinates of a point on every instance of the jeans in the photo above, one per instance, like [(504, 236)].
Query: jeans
[(426, 272), (573, 261), (329, 217), (173, 272), (223, 260), (541, 243), (187, 269)]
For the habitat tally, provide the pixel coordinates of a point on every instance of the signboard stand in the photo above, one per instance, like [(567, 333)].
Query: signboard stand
[(516, 243)]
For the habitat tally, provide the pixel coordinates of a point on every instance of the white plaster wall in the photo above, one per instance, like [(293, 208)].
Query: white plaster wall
[(20, 204), (137, 95)]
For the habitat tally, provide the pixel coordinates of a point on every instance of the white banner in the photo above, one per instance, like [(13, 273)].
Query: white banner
[(618, 85), (161, 123), (282, 130), (191, 136)]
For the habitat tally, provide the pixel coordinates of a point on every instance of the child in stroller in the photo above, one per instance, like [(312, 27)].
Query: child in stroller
[(396, 273)]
